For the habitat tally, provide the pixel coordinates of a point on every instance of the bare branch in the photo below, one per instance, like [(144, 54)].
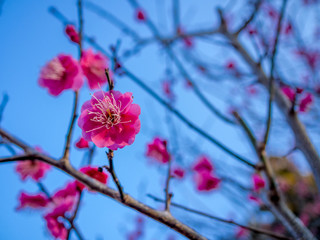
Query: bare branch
[(271, 80), (252, 229)]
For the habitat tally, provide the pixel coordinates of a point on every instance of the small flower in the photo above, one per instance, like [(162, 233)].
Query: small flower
[(72, 33), (82, 143), (305, 102), (254, 199), (157, 150), (32, 201), (258, 182), (188, 41), (110, 119), (93, 66), (140, 15), (93, 172), (65, 199), (61, 73), (305, 99), (203, 164), (32, 168), (205, 181), (178, 172), (56, 227), (166, 86), (289, 92)]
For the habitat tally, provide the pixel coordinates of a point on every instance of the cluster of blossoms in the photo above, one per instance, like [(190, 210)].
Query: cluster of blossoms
[(204, 178), (109, 119), (64, 72), (61, 203)]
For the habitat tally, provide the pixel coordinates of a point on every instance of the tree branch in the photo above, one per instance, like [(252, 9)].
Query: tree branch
[(252, 229), (160, 216)]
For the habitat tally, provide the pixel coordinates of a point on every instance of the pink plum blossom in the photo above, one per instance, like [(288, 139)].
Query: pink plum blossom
[(258, 182), (254, 199), (158, 151), (64, 199), (188, 41), (205, 181), (82, 143), (289, 92), (203, 164), (32, 201), (110, 119), (32, 168), (56, 227), (178, 172), (61, 73), (140, 15), (93, 66), (305, 102), (72, 33), (93, 172)]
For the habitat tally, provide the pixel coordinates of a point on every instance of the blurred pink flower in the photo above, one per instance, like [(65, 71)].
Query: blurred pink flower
[(93, 66), (188, 41), (178, 172), (289, 92), (205, 181), (93, 172), (203, 164), (72, 33), (140, 15), (82, 143), (61, 73), (254, 199), (56, 227), (157, 150), (305, 102), (32, 201), (166, 86), (32, 168), (110, 119), (258, 182)]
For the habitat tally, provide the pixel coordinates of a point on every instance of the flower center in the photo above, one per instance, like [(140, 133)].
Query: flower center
[(107, 111), (54, 70)]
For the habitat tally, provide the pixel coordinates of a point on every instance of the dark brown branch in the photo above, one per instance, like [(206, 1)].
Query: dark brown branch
[(73, 217), (252, 229)]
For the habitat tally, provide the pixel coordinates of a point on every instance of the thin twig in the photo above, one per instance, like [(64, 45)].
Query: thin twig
[(114, 176), (255, 11), (3, 105), (65, 158), (168, 195), (252, 229), (271, 79)]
